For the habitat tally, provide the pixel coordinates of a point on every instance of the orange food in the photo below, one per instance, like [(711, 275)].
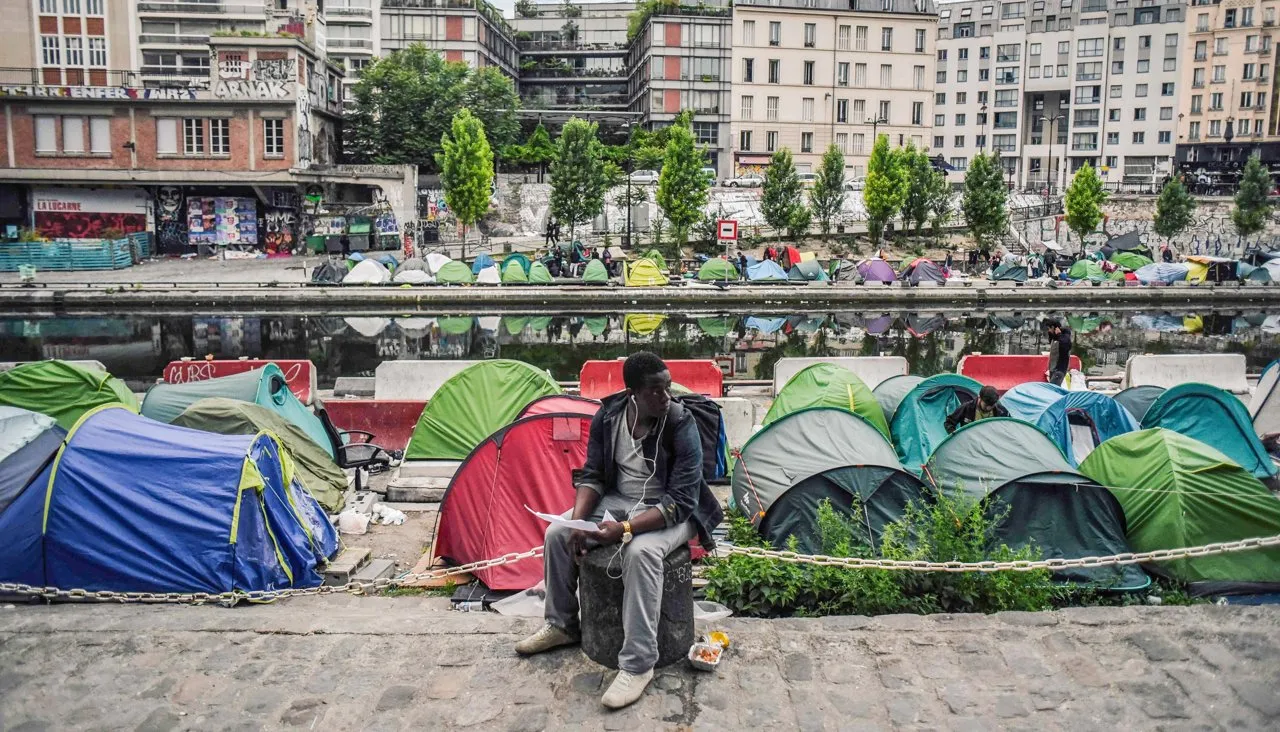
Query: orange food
[(707, 655)]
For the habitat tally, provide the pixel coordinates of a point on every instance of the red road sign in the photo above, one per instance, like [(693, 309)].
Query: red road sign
[(727, 229)]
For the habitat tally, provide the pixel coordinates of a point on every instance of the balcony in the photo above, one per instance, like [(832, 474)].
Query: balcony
[(200, 8), (345, 13), (350, 43), (22, 76), (558, 47), (173, 39), (599, 76), (1084, 147)]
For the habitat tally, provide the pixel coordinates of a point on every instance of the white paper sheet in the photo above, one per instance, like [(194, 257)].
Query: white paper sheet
[(579, 524)]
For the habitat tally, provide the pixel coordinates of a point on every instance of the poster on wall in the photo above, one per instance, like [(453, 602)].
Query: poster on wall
[(222, 221), (88, 213)]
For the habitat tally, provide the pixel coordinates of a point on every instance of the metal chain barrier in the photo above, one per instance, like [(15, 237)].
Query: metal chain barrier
[(1053, 565)]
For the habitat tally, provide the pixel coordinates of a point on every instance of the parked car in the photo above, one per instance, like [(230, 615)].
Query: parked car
[(807, 179), (855, 184), (644, 177), (746, 180)]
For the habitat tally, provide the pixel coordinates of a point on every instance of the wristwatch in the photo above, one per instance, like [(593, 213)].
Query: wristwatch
[(626, 532)]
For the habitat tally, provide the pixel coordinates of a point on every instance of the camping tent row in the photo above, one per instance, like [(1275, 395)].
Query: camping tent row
[(96, 507), (437, 268)]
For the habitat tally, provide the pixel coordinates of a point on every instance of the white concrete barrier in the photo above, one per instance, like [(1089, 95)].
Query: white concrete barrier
[(10, 365), (413, 379), (871, 369), (1223, 370), (739, 419)]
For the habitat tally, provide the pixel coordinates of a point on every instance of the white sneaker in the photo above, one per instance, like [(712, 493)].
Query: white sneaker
[(544, 640), (626, 689)]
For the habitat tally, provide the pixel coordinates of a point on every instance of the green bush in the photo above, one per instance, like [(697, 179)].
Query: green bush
[(948, 530)]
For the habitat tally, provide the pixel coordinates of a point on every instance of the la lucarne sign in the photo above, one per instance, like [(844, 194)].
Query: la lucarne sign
[(95, 92)]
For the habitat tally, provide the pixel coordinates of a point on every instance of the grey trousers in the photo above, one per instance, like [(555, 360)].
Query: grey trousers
[(641, 568)]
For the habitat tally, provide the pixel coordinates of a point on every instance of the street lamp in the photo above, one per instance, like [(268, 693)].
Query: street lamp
[(876, 122), (627, 126), (1052, 127), (983, 146)]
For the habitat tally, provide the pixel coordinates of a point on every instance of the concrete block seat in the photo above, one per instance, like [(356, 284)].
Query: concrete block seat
[(601, 607)]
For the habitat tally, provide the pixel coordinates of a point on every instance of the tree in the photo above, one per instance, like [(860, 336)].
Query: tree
[(1252, 206), (801, 219), (826, 198), (919, 174), (577, 175), (682, 186), (403, 104), (782, 191), (527, 9), (939, 195), (538, 150), (885, 189), (1173, 209), (985, 199), (466, 169), (1083, 201)]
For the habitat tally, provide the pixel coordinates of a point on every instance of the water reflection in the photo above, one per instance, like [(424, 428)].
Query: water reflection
[(137, 347)]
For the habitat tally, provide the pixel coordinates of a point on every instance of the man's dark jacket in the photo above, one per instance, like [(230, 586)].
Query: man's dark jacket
[(968, 412), (678, 456)]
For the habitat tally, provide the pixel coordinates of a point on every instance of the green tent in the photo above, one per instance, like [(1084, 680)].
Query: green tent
[(473, 404), (319, 474), (787, 469), (513, 272), (456, 325), (596, 325), (265, 387), (809, 271), (455, 273), (892, 391), (525, 262), (1179, 492), (827, 385), (540, 323), (919, 422), (539, 274), (595, 272), (1086, 269), (1010, 272), (62, 390), (1216, 418), (515, 324), (1040, 499), (656, 257), (1130, 260), (717, 269), (718, 327)]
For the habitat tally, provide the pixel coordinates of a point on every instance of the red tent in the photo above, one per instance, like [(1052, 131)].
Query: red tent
[(790, 257), (561, 404), (528, 462)]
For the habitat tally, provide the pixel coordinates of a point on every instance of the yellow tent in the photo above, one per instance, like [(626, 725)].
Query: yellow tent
[(644, 273), (642, 324), (808, 256), (1196, 271)]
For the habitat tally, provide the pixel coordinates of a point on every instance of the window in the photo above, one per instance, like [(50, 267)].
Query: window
[(1215, 128), (193, 136), (770, 141), (775, 33), (273, 135), (1220, 47), (100, 135), (1007, 75), (939, 120), (1250, 71), (73, 134), (1064, 47), (984, 74), (962, 30), (744, 140), (1006, 97), (842, 37), (940, 98), (46, 134), (1113, 115), (1113, 138), (942, 54), (810, 35), (50, 51), (748, 70), (1197, 78), (961, 75), (1091, 71), (1008, 53), (71, 7), (166, 136), (959, 141), (1215, 101), (706, 133), (1202, 50), (808, 73), (964, 54), (1197, 104), (859, 140), (1084, 141), (1140, 90), (1139, 138), (941, 77), (919, 40), (962, 97), (959, 163), (48, 7), (1088, 94), (1193, 131), (1116, 91), (746, 108), (806, 109), (1257, 127), (984, 52), (1166, 89), (842, 73), (771, 109), (1086, 118), (886, 39), (842, 142), (1144, 66), (93, 7), (860, 109), (917, 77), (1144, 41), (1170, 64), (98, 52), (1117, 44), (842, 111), (1166, 113), (1117, 67), (75, 51), (886, 76), (1219, 74), (960, 120), (775, 70), (748, 33), (859, 74), (939, 141), (860, 38), (1086, 47), (884, 111), (1246, 17), (1140, 114), (806, 142)]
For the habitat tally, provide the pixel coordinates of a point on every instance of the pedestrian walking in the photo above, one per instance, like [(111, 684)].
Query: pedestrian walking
[(1059, 350)]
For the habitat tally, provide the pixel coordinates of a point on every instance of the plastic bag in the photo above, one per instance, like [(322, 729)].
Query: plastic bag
[(706, 612), (387, 515), (350, 522), (527, 604)]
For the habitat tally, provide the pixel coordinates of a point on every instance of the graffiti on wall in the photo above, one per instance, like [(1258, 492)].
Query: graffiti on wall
[(263, 79), (282, 70), (171, 220), (281, 234), (304, 128)]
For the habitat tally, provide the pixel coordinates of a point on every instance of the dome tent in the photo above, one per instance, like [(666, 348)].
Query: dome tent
[(643, 273), (513, 272), (265, 387), (923, 270), (595, 272), (524, 261), (827, 385), (529, 462), (1042, 500), (482, 261), (786, 470), (454, 273), (489, 276), (892, 391), (807, 271), (655, 256), (877, 270), (766, 271), (1086, 269), (1216, 418), (107, 515), (560, 404), (1138, 399), (367, 272), (844, 271), (28, 443), (319, 474), (919, 422), (1179, 492), (1076, 421), (62, 390), (473, 404), (717, 269), (539, 274)]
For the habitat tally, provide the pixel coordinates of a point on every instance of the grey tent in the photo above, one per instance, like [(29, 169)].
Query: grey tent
[(1043, 501), (1128, 242), (809, 271), (1138, 399), (893, 390), (923, 270), (1264, 407), (1010, 272), (845, 271), (787, 469)]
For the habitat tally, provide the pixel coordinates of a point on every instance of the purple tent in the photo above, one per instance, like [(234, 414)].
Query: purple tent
[(877, 270)]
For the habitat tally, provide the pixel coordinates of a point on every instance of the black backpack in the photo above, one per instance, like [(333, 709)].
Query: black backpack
[(715, 441)]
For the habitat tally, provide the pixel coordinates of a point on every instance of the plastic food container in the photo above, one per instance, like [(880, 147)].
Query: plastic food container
[(705, 656)]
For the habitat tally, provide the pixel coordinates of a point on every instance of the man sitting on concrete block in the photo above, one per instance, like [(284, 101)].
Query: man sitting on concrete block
[(644, 466)]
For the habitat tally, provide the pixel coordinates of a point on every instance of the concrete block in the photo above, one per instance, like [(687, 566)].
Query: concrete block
[(354, 386), (417, 490), (1004, 284), (413, 379), (958, 283), (871, 369), (1223, 370), (926, 284), (344, 566), (426, 469), (375, 570), (739, 419), (8, 365)]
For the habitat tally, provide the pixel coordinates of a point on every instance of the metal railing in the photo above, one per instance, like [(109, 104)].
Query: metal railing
[(21, 76), (350, 43), (552, 45), (145, 8), (177, 39), (349, 11)]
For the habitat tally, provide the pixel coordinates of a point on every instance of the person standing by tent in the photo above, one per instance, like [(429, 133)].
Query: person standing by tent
[(1059, 350), (987, 405), (742, 265), (1166, 254), (644, 465)]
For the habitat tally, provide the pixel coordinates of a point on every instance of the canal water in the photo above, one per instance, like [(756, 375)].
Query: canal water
[(137, 347)]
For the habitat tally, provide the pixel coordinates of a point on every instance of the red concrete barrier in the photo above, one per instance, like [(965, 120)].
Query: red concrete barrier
[(1004, 371), (390, 420), (298, 374), (602, 378)]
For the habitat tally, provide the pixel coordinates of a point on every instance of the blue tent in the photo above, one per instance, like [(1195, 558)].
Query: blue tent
[(766, 271), (1166, 272), (919, 422), (109, 514), (481, 262), (1077, 421), (765, 325), (265, 387), (28, 442), (1216, 418)]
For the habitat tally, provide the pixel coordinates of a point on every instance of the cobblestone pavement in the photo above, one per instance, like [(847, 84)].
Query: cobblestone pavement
[(347, 663)]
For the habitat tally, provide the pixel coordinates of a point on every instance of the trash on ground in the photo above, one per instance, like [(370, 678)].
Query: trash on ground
[(350, 522)]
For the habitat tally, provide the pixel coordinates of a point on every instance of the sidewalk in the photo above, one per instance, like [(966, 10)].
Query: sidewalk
[(340, 663)]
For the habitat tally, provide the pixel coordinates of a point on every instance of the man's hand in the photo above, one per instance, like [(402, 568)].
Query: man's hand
[(578, 543), (610, 533)]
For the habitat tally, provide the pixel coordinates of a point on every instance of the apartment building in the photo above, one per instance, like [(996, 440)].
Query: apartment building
[(472, 31), (573, 57), (809, 73), (1229, 111), (681, 60), (1048, 81), (354, 36)]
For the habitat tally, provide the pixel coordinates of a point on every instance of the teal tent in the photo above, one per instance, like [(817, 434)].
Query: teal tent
[(525, 263), (1041, 500), (265, 387), (919, 422), (1138, 399), (1216, 418)]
